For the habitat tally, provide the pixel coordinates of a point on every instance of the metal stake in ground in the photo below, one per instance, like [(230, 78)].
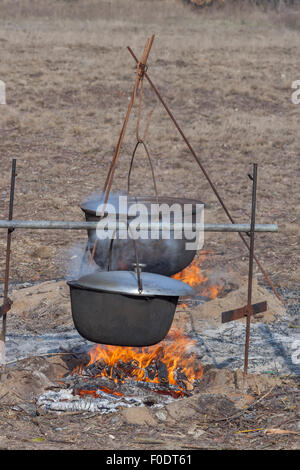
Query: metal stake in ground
[(6, 301), (249, 309), (250, 275)]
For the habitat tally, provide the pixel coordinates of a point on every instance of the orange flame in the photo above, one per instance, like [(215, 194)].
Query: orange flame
[(193, 276), (174, 353)]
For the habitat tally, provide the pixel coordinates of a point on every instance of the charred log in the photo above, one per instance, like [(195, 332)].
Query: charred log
[(96, 368), (151, 370), (162, 372), (130, 379)]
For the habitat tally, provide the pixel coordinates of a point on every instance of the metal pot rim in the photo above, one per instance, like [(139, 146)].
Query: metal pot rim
[(88, 206), (126, 282)]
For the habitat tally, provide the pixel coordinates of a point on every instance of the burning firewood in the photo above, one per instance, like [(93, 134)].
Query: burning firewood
[(162, 372), (127, 369), (91, 386), (96, 368), (182, 380), (151, 370), (166, 369), (130, 387)]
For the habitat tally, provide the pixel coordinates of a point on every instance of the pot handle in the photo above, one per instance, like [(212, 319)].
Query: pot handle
[(151, 167), (138, 267)]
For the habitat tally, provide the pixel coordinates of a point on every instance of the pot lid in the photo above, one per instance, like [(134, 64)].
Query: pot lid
[(95, 202), (126, 282)]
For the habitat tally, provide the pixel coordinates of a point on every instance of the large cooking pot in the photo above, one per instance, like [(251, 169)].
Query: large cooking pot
[(125, 308), (162, 256)]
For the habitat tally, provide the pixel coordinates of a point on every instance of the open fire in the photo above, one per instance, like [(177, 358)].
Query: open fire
[(120, 377), (171, 365)]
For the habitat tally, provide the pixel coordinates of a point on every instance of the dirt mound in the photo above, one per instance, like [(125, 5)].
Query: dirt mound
[(212, 310), (40, 308)]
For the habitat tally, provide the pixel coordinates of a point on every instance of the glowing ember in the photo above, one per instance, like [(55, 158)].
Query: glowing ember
[(95, 394), (171, 361), (193, 276)]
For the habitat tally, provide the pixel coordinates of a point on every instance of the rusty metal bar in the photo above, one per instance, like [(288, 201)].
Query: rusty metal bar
[(6, 300), (250, 274), (205, 174), (140, 75), (238, 313)]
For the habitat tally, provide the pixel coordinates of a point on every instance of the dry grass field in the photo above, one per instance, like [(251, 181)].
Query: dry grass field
[(226, 75)]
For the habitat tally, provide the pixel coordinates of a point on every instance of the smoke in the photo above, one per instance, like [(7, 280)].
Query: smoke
[(78, 262), (78, 255)]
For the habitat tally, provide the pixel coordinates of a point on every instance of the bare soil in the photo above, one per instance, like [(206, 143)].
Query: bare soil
[(227, 77), (220, 416)]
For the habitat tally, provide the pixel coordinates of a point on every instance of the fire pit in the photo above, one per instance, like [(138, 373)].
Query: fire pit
[(110, 377)]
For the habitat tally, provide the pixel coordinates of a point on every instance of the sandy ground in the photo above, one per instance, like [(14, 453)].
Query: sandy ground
[(227, 77), (219, 416)]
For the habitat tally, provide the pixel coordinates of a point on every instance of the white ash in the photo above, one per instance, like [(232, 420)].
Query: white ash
[(64, 400), (271, 346), (21, 346)]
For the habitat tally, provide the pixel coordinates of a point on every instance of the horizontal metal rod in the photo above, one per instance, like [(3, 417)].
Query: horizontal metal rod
[(66, 225)]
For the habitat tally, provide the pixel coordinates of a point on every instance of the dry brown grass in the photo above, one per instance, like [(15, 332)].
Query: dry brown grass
[(289, 19), (226, 77)]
